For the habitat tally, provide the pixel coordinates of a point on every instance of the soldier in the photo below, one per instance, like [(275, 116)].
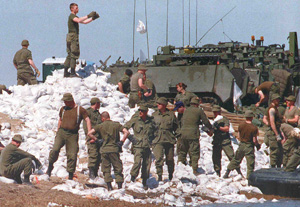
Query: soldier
[(193, 116), (294, 160), (163, 143), (265, 91), (289, 143), (149, 101), (70, 117), (273, 121), (124, 83), (136, 87), (110, 133), (73, 38), (248, 139), (143, 127), (179, 107), (183, 95), (291, 114), (221, 140), (23, 63), (93, 147), (13, 161)]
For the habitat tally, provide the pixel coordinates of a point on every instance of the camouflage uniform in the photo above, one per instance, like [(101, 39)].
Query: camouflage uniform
[(144, 134), (109, 131), (221, 141), (13, 161), (294, 161), (190, 134), (150, 100), (164, 141), (134, 90), (72, 43), (93, 148), (290, 144), (25, 74), (185, 98), (246, 148), (67, 135)]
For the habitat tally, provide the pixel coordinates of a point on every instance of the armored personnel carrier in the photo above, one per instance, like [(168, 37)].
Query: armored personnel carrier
[(211, 70)]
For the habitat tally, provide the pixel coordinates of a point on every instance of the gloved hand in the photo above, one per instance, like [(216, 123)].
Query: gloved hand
[(120, 144), (91, 14), (216, 126), (95, 16), (257, 146), (132, 139), (99, 142), (278, 138)]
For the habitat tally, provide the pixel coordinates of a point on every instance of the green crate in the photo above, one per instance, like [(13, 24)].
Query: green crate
[(51, 64)]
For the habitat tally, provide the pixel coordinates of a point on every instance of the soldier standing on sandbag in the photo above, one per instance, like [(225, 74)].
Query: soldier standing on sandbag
[(124, 83), (13, 161), (248, 139), (265, 92), (136, 87), (193, 116), (93, 147), (70, 117), (109, 132), (23, 63), (163, 143), (73, 38), (273, 120), (221, 140)]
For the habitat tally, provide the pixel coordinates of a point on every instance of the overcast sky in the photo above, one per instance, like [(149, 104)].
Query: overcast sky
[(44, 24)]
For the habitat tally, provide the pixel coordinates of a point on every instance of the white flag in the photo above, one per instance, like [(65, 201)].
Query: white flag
[(141, 28), (237, 92)]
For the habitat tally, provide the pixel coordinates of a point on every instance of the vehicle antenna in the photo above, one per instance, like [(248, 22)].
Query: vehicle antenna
[(189, 22), (196, 19), (167, 26), (183, 23), (147, 29), (215, 24)]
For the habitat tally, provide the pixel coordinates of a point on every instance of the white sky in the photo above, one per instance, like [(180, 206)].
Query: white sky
[(44, 24)]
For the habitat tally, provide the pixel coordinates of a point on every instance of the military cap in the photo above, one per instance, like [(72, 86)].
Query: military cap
[(95, 100), (249, 114), (162, 100), (17, 138), (25, 43), (142, 67), (143, 108), (216, 108), (178, 104), (291, 98), (275, 96), (195, 100), (67, 97)]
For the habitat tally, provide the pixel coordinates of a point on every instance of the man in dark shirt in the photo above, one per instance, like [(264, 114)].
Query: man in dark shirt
[(73, 38), (124, 83)]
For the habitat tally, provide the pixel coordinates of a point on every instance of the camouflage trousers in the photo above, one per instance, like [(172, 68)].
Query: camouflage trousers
[(64, 137), (108, 160), (94, 156), (26, 78), (14, 170), (217, 153), (133, 99), (159, 150), (288, 149), (191, 146), (294, 161), (73, 50), (244, 150), (275, 148), (142, 158)]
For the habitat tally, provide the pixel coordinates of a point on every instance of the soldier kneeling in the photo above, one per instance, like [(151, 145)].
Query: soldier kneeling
[(13, 161)]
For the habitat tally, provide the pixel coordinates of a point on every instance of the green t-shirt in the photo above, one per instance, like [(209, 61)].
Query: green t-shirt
[(21, 60), (73, 26)]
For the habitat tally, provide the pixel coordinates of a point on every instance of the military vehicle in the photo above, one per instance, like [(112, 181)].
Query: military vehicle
[(211, 70)]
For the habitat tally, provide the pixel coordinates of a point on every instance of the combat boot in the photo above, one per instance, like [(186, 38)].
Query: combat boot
[(218, 173), (159, 178), (18, 179), (145, 186), (92, 173), (238, 170), (119, 185), (73, 73), (170, 176), (71, 175), (66, 73), (109, 187), (227, 174), (49, 170), (26, 180)]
